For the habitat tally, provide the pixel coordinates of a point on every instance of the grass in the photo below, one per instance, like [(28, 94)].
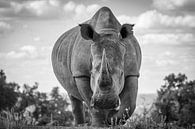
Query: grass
[(135, 122), (11, 120)]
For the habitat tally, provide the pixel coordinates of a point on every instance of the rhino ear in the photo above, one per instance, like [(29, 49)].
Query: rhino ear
[(126, 30), (88, 33)]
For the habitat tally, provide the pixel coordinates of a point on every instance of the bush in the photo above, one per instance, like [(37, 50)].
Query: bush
[(32, 105), (176, 100)]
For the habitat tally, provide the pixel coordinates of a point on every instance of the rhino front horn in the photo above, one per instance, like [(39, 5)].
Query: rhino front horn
[(105, 80)]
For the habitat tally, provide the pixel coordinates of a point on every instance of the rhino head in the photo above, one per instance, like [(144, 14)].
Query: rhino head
[(107, 72)]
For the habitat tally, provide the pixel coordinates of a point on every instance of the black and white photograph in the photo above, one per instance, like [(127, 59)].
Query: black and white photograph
[(97, 64)]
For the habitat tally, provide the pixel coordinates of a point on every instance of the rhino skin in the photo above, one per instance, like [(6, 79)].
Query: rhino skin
[(73, 62)]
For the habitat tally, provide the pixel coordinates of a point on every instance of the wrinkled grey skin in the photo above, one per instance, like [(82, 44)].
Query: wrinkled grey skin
[(98, 63)]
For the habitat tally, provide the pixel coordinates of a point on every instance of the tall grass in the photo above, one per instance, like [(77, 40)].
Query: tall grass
[(11, 120)]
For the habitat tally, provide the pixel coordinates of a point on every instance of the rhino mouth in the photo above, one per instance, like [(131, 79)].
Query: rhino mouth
[(104, 101)]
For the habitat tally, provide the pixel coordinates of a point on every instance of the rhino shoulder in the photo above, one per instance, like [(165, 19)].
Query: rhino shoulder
[(133, 56)]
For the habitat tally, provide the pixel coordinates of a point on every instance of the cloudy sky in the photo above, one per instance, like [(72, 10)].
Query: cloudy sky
[(165, 30)]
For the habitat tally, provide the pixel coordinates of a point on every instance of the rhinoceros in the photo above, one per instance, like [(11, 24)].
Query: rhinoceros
[(98, 62)]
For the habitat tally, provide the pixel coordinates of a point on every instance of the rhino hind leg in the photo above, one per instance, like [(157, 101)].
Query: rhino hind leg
[(77, 109)]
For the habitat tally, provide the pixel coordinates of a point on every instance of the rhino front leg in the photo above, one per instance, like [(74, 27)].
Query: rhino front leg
[(98, 118), (77, 109), (128, 98), (83, 85)]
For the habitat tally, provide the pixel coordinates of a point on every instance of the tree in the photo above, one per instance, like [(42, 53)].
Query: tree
[(176, 99), (31, 103), (58, 105), (8, 95)]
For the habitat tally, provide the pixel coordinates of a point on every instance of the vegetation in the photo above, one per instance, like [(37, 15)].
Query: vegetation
[(20, 107), (176, 100), (28, 106), (8, 95), (174, 107)]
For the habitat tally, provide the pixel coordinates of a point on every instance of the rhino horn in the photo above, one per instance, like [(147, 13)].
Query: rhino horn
[(104, 67), (105, 79)]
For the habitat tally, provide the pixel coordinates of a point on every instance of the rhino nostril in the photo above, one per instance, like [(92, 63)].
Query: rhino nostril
[(118, 104), (105, 84)]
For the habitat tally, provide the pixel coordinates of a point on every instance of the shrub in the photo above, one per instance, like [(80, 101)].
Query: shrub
[(176, 100)]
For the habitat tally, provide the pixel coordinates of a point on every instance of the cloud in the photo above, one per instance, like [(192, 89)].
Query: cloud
[(166, 58), (4, 26), (175, 5), (92, 8), (37, 39), (80, 11), (162, 59), (29, 9), (155, 20), (28, 51), (83, 12), (165, 62), (169, 4), (16, 55), (47, 9), (168, 38), (37, 8), (4, 4), (70, 6), (168, 54), (126, 19), (54, 3)]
